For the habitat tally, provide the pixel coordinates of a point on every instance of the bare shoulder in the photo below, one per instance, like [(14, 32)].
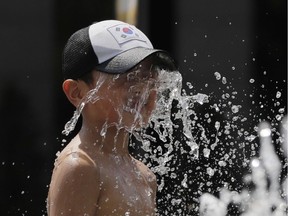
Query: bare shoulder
[(75, 158), (74, 165), (74, 186)]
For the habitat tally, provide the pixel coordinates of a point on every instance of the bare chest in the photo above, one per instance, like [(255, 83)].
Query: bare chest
[(126, 191)]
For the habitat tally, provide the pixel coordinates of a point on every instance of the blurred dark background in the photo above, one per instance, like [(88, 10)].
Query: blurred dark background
[(245, 41)]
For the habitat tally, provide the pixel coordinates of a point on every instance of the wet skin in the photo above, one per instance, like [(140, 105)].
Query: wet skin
[(95, 174)]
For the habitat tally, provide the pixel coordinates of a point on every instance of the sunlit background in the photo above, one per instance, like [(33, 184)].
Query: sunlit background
[(244, 41)]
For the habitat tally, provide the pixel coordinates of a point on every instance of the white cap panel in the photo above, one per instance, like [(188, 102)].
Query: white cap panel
[(112, 37)]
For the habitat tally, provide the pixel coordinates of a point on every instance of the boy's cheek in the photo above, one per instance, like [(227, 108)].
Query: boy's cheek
[(102, 110)]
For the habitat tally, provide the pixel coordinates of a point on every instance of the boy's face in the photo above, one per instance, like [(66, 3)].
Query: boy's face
[(126, 100)]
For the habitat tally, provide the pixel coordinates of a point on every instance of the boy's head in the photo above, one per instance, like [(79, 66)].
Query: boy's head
[(121, 61)]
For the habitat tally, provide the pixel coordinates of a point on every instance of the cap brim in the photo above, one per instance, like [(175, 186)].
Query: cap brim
[(130, 58)]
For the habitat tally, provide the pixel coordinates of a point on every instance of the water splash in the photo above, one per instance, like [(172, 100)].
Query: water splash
[(170, 91), (91, 97), (266, 199), (138, 90), (230, 139), (70, 125)]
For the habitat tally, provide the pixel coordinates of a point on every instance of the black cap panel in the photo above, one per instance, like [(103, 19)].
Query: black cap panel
[(78, 55)]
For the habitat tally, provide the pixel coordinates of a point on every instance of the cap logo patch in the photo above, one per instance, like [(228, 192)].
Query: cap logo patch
[(127, 30), (123, 33)]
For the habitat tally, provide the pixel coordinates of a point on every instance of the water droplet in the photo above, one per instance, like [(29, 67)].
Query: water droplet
[(250, 138), (278, 117), (206, 152), (222, 163), (235, 108), (176, 201), (281, 110), (189, 85), (184, 181), (217, 75), (217, 125), (173, 175), (58, 153), (278, 94), (215, 106), (210, 171)]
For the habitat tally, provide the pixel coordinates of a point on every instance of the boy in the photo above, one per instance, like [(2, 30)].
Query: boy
[(110, 68)]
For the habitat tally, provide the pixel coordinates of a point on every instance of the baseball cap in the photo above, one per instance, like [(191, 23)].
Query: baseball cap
[(110, 46)]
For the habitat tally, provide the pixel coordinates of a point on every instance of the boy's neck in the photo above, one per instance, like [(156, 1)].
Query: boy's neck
[(113, 141)]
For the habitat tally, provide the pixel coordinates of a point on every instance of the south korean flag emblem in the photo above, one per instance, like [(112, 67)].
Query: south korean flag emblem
[(123, 33)]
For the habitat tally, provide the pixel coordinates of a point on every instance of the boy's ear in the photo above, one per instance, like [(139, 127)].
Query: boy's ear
[(74, 91)]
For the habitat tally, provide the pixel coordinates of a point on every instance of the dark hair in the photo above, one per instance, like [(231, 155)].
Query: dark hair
[(87, 78)]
